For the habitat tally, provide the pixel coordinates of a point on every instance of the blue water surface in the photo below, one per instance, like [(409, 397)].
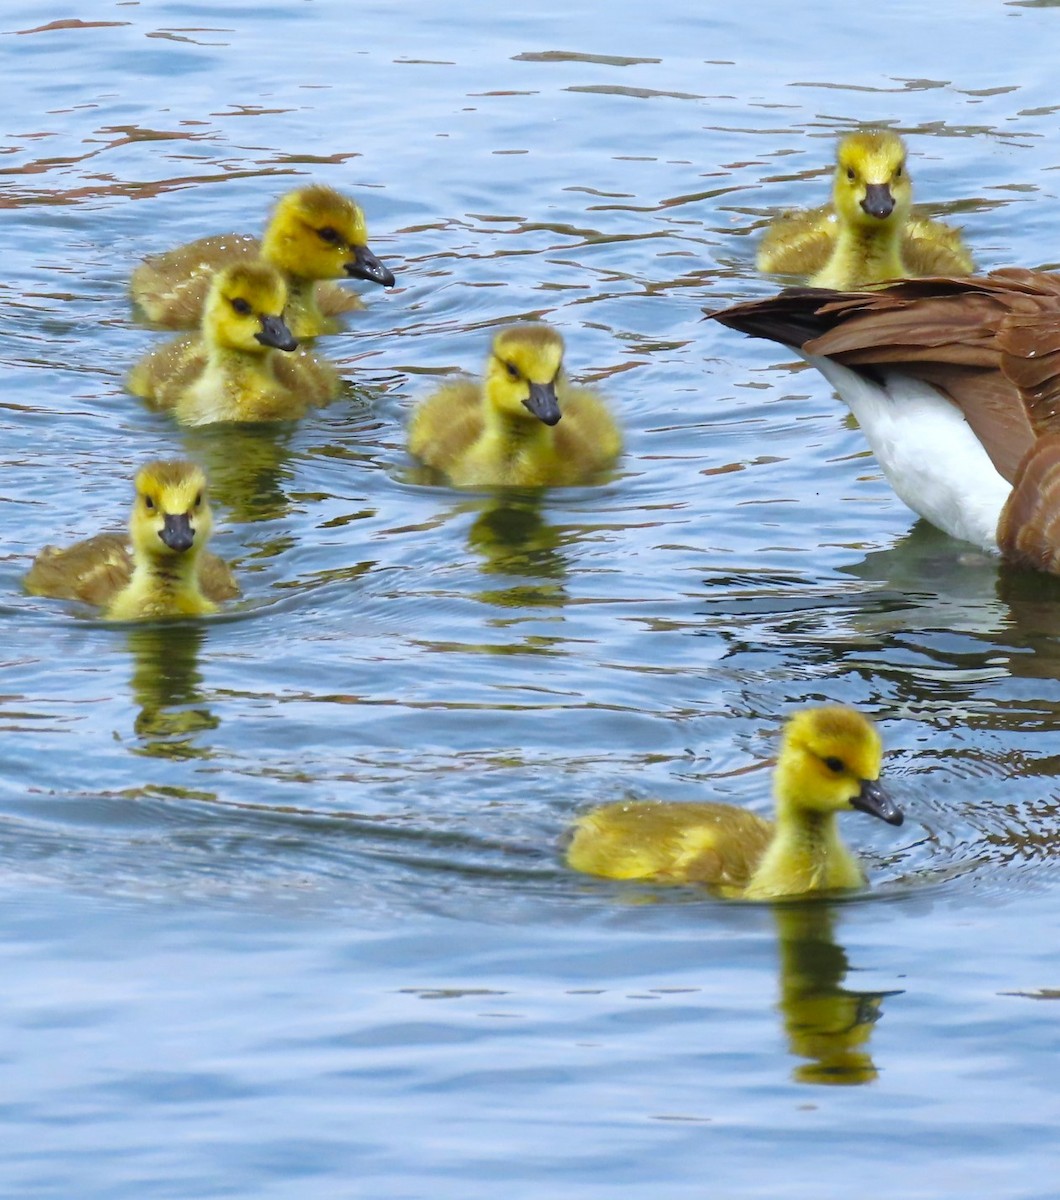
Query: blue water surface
[(284, 908)]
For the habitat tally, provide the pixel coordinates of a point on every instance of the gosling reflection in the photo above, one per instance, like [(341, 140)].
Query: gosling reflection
[(826, 1024), (167, 687), (246, 465), (514, 539)]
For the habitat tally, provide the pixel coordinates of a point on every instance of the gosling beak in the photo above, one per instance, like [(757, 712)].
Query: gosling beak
[(542, 402), (177, 532), (878, 200), (872, 799), (365, 265), (274, 332)]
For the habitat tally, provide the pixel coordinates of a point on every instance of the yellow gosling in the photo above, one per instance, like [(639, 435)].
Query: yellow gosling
[(867, 234), (315, 234), (240, 367), (523, 426), (160, 569), (829, 763)]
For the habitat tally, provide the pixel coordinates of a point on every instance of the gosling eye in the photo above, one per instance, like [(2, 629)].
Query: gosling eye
[(198, 501), (898, 172), (148, 502), (329, 235), (512, 369), (241, 306), (851, 174), (836, 765)]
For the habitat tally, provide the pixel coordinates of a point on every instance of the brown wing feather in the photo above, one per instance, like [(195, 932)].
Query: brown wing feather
[(1028, 532), (976, 339), (942, 320), (991, 408), (1030, 359)]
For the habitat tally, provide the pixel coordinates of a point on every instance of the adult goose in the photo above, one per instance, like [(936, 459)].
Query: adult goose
[(956, 385)]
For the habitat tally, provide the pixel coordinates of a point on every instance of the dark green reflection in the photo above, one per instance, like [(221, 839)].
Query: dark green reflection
[(246, 466), (514, 539), (167, 688)]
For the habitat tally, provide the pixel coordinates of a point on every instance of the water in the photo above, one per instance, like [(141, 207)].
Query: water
[(284, 910)]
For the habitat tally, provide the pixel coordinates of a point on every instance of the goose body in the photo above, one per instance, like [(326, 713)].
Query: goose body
[(829, 762), (244, 364), (522, 426), (927, 451), (160, 569), (956, 385), (868, 233), (314, 235)]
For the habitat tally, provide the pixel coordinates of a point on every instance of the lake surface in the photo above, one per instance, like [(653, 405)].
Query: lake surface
[(284, 910)]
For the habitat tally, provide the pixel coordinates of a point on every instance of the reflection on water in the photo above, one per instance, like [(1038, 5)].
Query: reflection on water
[(826, 1023), (1002, 623), (246, 465), (515, 539), (167, 686)]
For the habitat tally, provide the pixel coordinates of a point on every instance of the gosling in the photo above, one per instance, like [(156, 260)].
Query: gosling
[(867, 234), (315, 234), (522, 426), (240, 366), (161, 569), (829, 762)]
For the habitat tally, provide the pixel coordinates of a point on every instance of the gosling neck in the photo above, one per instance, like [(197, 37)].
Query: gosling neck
[(516, 432), (806, 855), (235, 382), (303, 315), (865, 254), (162, 586)]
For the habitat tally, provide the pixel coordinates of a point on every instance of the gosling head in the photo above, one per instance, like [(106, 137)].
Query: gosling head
[(317, 233), (525, 364), (170, 516), (244, 310), (830, 761), (871, 179)]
